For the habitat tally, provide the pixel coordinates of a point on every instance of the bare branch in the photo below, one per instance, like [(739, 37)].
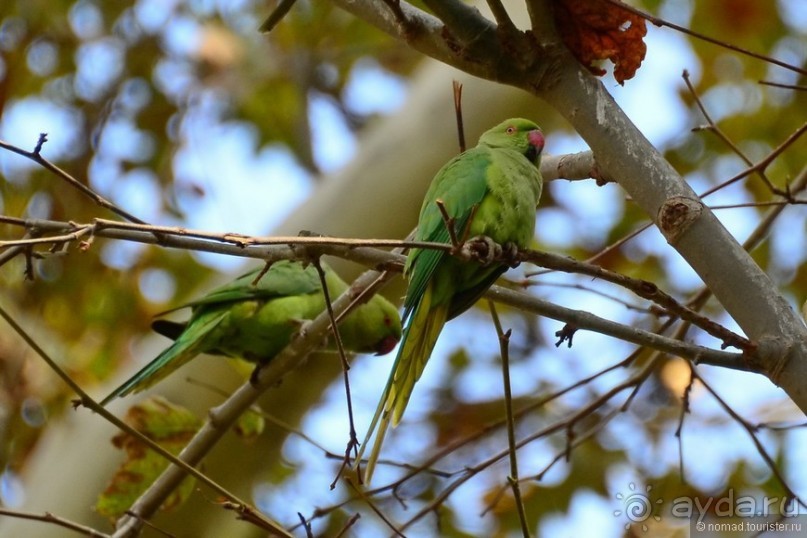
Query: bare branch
[(642, 288), (512, 479), (70, 180), (86, 401), (353, 440), (47, 517), (276, 16), (661, 22), (315, 246), (223, 416), (627, 156)]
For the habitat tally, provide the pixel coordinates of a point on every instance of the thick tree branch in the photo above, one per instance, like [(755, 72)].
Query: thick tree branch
[(624, 154)]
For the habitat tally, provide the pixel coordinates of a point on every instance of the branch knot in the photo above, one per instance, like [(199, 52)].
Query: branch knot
[(676, 215)]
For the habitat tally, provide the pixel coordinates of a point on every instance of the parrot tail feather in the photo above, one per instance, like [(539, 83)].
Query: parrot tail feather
[(180, 352), (421, 335), (372, 459), (418, 341), (148, 375)]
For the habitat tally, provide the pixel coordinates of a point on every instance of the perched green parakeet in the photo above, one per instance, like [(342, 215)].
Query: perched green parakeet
[(255, 321), (491, 190)]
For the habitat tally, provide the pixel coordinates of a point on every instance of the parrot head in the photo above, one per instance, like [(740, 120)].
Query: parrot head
[(519, 134), (374, 327)]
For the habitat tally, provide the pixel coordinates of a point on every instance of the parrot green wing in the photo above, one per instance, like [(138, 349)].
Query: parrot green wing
[(174, 329), (461, 185), (284, 279), (466, 298), (492, 190), (186, 347), (255, 320)]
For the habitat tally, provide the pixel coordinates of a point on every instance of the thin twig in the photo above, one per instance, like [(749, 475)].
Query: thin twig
[(449, 222), (652, 310), (619, 242), (502, 18), (276, 16), (353, 440), (713, 127), (661, 22), (579, 439), (309, 533), (512, 479), (36, 157), (47, 517), (685, 409), (427, 465), (86, 401), (366, 499), (762, 165), (749, 428), (349, 523), (163, 532), (564, 425), (642, 288), (796, 87)]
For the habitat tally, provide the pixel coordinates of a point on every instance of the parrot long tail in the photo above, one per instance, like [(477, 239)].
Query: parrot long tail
[(418, 341), (184, 349)]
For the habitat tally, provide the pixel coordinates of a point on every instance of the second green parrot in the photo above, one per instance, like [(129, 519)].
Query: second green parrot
[(491, 190), (255, 320)]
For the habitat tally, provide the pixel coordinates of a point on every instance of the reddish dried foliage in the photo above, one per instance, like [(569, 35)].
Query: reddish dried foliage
[(599, 30)]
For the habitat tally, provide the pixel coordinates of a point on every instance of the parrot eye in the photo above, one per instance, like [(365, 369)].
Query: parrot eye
[(510, 130)]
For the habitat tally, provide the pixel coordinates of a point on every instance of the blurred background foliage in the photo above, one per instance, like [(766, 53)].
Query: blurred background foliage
[(127, 90), (128, 82)]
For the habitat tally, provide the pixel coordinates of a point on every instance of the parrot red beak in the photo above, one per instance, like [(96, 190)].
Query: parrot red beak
[(386, 345), (536, 139)]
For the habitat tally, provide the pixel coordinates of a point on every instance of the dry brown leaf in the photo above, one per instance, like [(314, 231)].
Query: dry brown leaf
[(170, 425), (599, 30)]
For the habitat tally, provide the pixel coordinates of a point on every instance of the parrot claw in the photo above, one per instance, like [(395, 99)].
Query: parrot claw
[(486, 251), (253, 377), (482, 249), (510, 255), (300, 324)]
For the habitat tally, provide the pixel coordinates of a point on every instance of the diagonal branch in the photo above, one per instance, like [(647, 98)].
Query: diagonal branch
[(223, 416), (512, 478), (626, 155), (36, 157), (85, 400)]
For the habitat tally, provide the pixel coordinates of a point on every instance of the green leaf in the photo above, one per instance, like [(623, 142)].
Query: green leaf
[(250, 425)]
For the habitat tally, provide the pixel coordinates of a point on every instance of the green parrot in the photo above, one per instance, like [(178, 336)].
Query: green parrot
[(255, 321), (491, 191)]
